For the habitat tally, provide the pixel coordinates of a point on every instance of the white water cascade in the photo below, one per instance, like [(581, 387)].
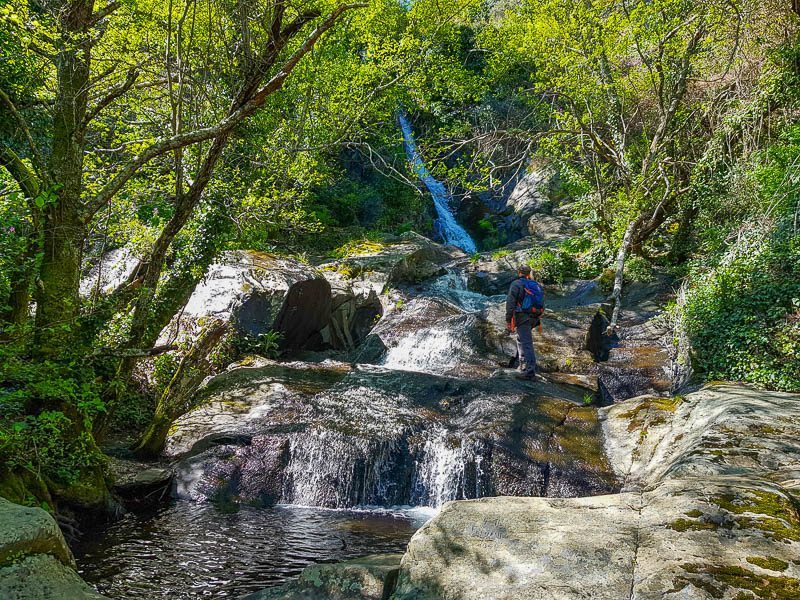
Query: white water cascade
[(451, 231)]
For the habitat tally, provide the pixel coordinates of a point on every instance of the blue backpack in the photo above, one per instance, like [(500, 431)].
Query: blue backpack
[(533, 300)]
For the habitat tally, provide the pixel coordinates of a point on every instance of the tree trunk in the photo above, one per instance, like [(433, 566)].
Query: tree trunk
[(64, 226), (622, 254), (179, 396)]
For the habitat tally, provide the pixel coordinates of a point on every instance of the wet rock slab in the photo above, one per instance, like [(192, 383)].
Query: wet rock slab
[(338, 437), (709, 510)]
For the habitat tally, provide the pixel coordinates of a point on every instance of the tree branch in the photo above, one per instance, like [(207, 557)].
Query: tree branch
[(19, 172), (116, 92), (36, 159), (225, 126), (104, 12)]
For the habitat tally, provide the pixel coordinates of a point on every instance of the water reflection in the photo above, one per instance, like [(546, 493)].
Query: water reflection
[(187, 550)]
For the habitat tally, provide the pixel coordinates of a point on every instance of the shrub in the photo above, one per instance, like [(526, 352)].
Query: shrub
[(743, 317), (551, 265), (46, 415)]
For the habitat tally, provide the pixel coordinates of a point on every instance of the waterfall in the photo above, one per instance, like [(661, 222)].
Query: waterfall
[(451, 231), (438, 468), (438, 349), (447, 469)]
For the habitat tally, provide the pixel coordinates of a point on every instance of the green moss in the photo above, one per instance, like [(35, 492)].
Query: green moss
[(363, 247), (643, 414), (687, 525), (768, 562), (774, 514), (763, 586), (694, 513)]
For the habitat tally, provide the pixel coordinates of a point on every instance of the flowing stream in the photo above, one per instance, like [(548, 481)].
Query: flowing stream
[(452, 232), (186, 550), (357, 457)]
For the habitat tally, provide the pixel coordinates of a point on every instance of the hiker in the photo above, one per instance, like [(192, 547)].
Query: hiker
[(524, 307)]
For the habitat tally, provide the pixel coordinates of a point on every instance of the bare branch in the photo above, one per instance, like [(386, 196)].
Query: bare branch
[(116, 92)]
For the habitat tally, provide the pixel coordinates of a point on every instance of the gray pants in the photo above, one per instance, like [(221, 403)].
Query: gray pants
[(525, 351)]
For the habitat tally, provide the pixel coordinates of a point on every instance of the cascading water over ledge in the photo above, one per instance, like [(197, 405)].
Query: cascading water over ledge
[(387, 437), (452, 232)]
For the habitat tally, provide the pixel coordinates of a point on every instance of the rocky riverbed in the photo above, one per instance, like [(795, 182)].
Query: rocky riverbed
[(709, 509), (393, 393)]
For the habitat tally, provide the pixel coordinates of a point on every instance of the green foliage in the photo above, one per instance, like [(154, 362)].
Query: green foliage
[(551, 265), (498, 254), (743, 308), (639, 269), (743, 317), (46, 414), (265, 344)]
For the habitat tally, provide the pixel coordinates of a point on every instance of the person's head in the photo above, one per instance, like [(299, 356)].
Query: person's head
[(524, 271)]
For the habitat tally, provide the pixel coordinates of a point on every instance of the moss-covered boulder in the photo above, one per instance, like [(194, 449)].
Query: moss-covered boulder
[(367, 578), (35, 562)]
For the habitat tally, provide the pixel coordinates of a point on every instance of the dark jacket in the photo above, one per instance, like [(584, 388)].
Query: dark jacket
[(516, 292)]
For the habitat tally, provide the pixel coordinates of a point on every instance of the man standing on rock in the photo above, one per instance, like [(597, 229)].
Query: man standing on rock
[(524, 307)]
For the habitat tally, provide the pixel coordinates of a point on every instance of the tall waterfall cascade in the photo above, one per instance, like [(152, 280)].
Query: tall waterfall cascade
[(452, 232)]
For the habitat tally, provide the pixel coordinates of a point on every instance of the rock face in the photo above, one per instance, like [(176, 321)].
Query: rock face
[(328, 435), (35, 562), (257, 293), (709, 510), (112, 269), (407, 259), (367, 578), (140, 484)]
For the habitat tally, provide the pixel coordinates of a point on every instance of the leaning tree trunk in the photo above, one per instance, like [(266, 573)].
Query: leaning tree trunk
[(616, 294), (178, 397)]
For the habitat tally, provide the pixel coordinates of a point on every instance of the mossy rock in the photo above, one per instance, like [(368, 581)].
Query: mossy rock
[(730, 576)]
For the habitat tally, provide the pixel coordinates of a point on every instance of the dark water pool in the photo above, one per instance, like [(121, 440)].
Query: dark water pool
[(189, 550)]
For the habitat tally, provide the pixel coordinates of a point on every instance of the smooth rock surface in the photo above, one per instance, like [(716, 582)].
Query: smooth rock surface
[(710, 510), (258, 293)]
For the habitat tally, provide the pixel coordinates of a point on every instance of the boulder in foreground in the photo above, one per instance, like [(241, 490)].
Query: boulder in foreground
[(35, 562), (711, 510)]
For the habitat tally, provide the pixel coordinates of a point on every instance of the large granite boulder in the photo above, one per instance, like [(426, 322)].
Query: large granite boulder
[(259, 293), (709, 510), (407, 259), (35, 562)]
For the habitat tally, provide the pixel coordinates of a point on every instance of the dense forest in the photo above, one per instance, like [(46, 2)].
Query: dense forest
[(173, 131)]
